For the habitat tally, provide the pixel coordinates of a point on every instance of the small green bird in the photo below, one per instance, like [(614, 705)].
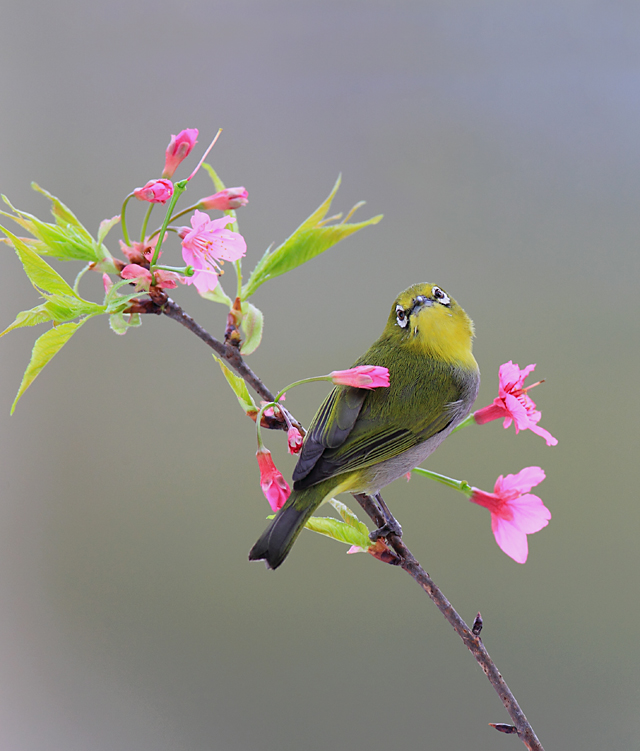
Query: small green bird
[(361, 440)]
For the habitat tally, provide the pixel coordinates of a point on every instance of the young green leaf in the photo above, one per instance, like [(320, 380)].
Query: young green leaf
[(310, 239), (219, 185), (63, 214), (45, 348), (67, 239), (106, 225), (217, 182), (120, 324), (32, 317), (38, 270), (340, 530), (239, 388), (252, 325), (217, 295), (349, 517)]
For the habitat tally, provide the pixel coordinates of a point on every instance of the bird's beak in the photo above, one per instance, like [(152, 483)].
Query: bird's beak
[(424, 303)]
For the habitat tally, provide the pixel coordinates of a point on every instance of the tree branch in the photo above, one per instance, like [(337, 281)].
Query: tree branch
[(472, 640), (159, 304)]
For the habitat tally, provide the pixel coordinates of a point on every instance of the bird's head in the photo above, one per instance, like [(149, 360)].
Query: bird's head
[(424, 317)]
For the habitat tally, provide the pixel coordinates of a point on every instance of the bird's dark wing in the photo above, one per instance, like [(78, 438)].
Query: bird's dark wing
[(330, 427), (369, 444)]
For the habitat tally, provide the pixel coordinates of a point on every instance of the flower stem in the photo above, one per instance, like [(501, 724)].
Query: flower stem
[(460, 485), (79, 277), (184, 270), (125, 234), (185, 211), (470, 420), (178, 189), (145, 221), (299, 383)]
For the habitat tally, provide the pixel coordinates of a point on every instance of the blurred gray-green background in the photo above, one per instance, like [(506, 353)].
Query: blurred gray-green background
[(502, 142)]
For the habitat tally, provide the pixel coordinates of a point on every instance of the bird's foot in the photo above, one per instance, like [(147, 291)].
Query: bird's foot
[(390, 527)]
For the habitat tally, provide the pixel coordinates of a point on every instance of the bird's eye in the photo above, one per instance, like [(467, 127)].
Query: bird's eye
[(441, 296), (401, 316)]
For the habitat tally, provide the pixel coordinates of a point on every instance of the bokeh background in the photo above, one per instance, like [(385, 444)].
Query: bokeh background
[(501, 140)]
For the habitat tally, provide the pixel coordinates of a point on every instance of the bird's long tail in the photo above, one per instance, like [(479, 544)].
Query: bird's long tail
[(277, 539)]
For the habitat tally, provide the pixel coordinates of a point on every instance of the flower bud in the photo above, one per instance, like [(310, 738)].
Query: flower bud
[(178, 149), (362, 377), (229, 198), (295, 440), (155, 191), (273, 484)]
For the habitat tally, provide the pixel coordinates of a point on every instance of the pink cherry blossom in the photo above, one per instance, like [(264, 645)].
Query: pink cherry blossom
[(514, 404), (178, 149), (515, 513), (224, 200), (205, 245), (155, 191), (294, 440), (273, 484), (362, 377)]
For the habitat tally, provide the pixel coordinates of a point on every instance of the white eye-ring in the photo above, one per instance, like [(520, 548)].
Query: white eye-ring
[(401, 317), (441, 296)]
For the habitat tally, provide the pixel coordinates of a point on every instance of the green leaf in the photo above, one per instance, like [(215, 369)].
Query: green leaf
[(64, 308), (120, 324), (38, 270), (351, 531), (217, 182), (217, 295), (32, 317), (310, 239), (349, 517), (219, 185), (106, 225), (63, 214), (67, 239), (252, 324), (45, 348), (239, 388)]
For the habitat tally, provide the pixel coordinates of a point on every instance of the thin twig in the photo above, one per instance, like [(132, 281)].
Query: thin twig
[(472, 641), (162, 304)]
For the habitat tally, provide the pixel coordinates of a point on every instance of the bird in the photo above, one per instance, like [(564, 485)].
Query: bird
[(361, 440)]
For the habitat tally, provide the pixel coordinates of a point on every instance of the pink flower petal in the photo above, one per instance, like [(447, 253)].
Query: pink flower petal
[(510, 539), (522, 482), (515, 513)]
